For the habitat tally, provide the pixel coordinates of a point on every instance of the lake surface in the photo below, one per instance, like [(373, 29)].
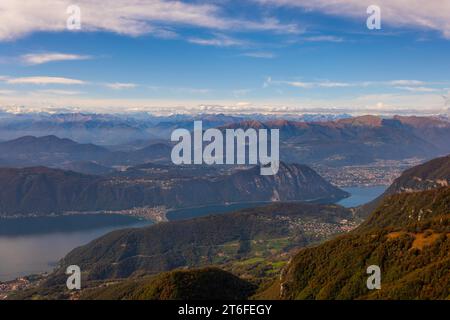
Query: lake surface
[(358, 196), (35, 245), (361, 195), (183, 214)]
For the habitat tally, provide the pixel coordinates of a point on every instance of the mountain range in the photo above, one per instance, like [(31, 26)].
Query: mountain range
[(348, 141), (358, 140), (44, 191), (65, 153), (280, 249), (113, 129), (286, 250), (48, 150)]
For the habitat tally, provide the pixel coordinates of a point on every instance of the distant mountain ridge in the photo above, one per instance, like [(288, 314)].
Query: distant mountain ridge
[(43, 191), (358, 140), (110, 129), (29, 149), (63, 153), (346, 141)]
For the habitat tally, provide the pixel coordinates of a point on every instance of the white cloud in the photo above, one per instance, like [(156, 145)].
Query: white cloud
[(40, 58), (218, 40), (418, 89), (120, 85), (328, 84), (7, 92), (267, 82), (309, 85), (406, 83), (241, 92), (323, 39), (58, 92), (299, 84), (430, 14), (261, 55), (43, 80), (192, 90), (364, 104), (185, 90), (128, 17), (243, 104), (409, 85)]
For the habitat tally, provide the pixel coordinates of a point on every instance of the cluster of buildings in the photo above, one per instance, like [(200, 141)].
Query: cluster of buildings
[(380, 173), (7, 287), (156, 214)]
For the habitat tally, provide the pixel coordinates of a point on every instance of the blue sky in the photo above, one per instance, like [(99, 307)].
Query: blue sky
[(225, 56)]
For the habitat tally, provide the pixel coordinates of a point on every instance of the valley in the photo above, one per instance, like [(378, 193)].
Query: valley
[(252, 241), (47, 233), (290, 241), (378, 173), (227, 217), (224, 154)]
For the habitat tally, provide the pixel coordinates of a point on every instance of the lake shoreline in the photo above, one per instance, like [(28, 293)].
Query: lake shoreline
[(37, 252)]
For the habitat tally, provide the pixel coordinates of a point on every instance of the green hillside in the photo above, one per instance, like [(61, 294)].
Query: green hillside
[(408, 237), (427, 176), (217, 239), (199, 284)]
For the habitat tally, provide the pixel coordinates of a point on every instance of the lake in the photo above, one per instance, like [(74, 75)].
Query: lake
[(35, 245), (188, 213), (361, 195)]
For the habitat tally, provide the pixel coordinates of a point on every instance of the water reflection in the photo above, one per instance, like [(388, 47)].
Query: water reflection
[(36, 245)]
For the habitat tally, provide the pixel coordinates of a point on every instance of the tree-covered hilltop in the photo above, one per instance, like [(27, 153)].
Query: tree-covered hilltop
[(254, 243), (407, 236), (196, 284), (216, 239)]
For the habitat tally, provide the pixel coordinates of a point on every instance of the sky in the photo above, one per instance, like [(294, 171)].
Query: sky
[(225, 56)]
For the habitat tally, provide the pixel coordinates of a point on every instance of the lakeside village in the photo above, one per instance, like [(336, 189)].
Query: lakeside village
[(155, 214), (21, 283)]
